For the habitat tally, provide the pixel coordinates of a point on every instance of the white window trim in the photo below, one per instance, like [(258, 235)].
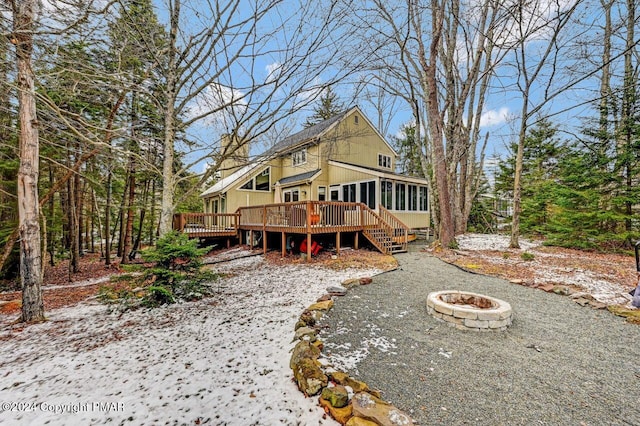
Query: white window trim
[(384, 157), (302, 152), (253, 179)]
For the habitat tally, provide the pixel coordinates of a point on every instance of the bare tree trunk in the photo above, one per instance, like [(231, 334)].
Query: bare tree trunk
[(152, 220), (128, 233), (121, 219), (107, 215), (28, 206), (51, 218), (143, 211), (166, 211), (446, 233), (629, 114)]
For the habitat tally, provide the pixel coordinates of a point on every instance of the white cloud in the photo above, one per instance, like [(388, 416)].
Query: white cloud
[(494, 117), (273, 71), (224, 105)]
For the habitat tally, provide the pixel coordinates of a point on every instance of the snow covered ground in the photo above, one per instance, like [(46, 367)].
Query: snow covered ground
[(549, 268), (222, 361)]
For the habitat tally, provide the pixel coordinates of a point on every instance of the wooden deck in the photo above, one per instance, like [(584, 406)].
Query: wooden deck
[(384, 230)]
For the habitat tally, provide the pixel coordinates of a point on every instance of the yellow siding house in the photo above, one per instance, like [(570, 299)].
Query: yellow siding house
[(343, 158)]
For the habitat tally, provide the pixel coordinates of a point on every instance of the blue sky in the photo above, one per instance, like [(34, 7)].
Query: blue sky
[(499, 117)]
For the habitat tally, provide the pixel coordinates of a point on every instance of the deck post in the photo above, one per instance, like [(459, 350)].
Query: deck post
[(250, 239), (355, 241), (338, 242), (284, 245), (264, 242), (308, 231)]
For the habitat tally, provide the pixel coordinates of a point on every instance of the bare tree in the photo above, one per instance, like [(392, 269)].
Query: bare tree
[(537, 52), (23, 13), (215, 73), (439, 58)]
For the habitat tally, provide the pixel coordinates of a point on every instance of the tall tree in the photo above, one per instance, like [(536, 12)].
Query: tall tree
[(23, 13), (329, 105), (538, 48), (214, 56), (439, 57)]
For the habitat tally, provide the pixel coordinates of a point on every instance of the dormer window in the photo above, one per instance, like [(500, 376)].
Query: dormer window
[(299, 157), (384, 161)]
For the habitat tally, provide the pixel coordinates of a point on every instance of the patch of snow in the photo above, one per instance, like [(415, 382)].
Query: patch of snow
[(491, 242), (603, 291), (222, 360), (446, 354)]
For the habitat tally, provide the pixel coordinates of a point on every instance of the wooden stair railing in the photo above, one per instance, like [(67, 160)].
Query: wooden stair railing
[(387, 233)]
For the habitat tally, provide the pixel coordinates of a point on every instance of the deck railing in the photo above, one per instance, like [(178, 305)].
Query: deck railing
[(192, 223), (383, 229), (400, 230), (303, 215)]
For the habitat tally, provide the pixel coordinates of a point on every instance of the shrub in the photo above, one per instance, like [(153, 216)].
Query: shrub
[(177, 274), (527, 257)]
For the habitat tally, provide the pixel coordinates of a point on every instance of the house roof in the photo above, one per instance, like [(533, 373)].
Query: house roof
[(223, 184), (300, 177), (306, 134)]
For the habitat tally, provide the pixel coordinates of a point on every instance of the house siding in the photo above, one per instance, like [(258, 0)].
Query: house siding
[(364, 143)]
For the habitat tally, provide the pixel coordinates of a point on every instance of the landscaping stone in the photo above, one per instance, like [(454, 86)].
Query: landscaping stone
[(371, 408), (345, 380), (561, 289), (309, 377), (321, 306), (305, 333), (308, 318), (366, 280), (547, 287), (324, 297), (301, 351), (299, 324), (336, 395), (337, 291), (359, 421), (341, 415), (351, 282)]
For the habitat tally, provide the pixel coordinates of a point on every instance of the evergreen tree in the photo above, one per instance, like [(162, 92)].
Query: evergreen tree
[(329, 105), (541, 155), (409, 162)]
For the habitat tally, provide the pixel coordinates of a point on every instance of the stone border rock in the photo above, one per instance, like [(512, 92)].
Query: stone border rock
[(349, 401), (497, 317)]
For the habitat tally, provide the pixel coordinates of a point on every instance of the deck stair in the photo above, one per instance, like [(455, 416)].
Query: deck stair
[(386, 232)]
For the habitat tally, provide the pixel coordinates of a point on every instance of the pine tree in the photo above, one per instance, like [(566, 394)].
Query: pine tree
[(329, 106), (409, 161), (540, 167)]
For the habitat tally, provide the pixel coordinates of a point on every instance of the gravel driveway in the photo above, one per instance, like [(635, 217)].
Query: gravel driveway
[(558, 364)]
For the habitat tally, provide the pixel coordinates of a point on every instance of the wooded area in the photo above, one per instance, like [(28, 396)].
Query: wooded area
[(109, 111)]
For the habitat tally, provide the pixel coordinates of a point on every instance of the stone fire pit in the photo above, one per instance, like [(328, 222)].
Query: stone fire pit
[(469, 311)]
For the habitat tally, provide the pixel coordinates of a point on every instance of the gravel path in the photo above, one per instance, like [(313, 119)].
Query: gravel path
[(559, 363)]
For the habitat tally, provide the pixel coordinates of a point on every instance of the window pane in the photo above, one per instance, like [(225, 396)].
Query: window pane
[(386, 194), (322, 193), (295, 195), (371, 197), (413, 197), (424, 203), (287, 197), (400, 196), (335, 194), (262, 181), (248, 185)]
